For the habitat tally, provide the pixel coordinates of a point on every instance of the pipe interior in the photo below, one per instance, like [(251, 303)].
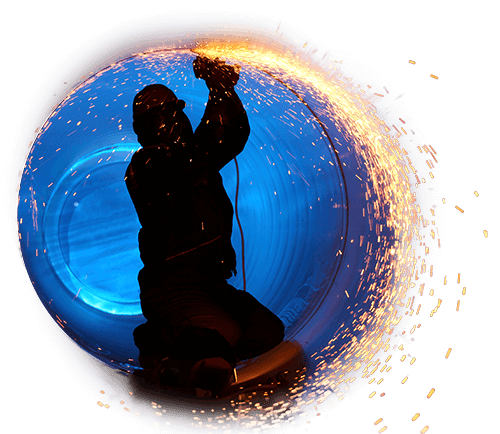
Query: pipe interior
[(298, 205)]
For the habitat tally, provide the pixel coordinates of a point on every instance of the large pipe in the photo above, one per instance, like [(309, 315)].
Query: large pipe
[(310, 225)]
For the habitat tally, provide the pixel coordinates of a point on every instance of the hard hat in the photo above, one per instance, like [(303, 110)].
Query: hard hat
[(153, 96)]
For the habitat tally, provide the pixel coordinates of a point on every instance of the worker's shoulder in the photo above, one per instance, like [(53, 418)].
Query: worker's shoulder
[(150, 154)]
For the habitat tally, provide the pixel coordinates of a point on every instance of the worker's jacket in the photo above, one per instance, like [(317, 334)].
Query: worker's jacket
[(184, 211)]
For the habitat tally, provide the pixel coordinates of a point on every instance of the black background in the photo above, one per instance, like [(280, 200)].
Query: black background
[(44, 395)]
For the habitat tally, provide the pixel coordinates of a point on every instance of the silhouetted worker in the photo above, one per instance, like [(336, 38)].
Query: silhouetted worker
[(198, 326)]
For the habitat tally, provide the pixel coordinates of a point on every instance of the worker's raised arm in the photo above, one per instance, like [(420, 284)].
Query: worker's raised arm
[(224, 128)]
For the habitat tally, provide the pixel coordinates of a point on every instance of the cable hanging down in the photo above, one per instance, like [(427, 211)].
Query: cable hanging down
[(239, 225)]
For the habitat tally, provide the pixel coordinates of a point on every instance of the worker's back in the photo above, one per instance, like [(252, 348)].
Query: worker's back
[(184, 212)]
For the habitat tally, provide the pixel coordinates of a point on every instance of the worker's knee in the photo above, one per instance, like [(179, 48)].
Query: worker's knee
[(276, 334)]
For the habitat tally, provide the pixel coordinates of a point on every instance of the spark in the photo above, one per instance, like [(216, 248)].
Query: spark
[(389, 179)]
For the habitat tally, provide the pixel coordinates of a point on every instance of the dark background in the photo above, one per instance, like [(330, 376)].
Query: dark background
[(447, 110)]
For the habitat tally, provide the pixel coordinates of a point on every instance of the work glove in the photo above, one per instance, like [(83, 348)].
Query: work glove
[(218, 75)]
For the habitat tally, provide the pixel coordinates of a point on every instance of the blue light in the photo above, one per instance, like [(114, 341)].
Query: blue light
[(78, 227), (90, 233), (313, 249)]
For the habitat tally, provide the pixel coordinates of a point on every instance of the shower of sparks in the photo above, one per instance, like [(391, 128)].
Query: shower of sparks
[(391, 186), (391, 202)]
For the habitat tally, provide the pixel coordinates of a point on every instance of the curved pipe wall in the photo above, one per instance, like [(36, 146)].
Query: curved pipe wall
[(327, 246)]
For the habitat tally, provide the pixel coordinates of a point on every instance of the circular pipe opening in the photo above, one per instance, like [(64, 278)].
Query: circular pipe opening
[(336, 228)]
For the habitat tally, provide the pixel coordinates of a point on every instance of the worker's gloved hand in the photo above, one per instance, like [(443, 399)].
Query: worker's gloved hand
[(218, 75)]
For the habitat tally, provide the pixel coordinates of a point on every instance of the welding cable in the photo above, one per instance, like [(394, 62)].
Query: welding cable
[(239, 225)]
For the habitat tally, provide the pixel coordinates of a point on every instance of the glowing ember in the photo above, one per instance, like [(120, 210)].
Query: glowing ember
[(393, 251)]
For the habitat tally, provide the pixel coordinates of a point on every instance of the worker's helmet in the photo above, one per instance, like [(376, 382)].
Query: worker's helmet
[(159, 118)]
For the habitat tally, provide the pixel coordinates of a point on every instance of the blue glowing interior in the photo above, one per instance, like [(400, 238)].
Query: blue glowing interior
[(78, 227)]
